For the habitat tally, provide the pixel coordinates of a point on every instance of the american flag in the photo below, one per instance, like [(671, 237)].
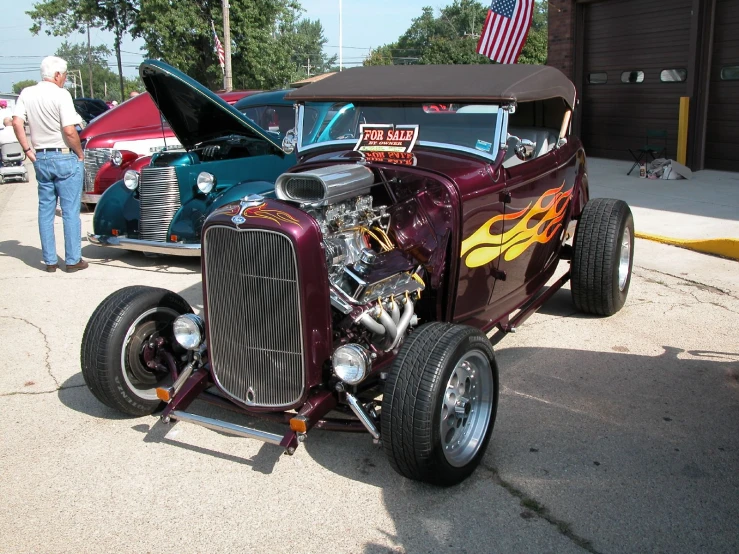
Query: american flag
[(219, 49), (505, 30)]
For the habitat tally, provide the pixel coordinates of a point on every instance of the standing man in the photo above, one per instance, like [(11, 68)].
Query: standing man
[(57, 157)]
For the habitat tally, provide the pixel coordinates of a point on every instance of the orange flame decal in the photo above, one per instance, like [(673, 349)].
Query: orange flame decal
[(278, 216), (539, 223)]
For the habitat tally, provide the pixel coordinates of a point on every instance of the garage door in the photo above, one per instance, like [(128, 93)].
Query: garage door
[(634, 64), (722, 132)]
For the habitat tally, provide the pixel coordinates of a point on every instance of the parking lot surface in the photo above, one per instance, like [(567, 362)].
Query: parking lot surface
[(613, 435)]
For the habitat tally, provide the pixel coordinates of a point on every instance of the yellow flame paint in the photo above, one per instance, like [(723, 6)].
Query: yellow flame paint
[(539, 223)]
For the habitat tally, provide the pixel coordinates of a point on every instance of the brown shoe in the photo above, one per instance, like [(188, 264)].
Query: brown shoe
[(82, 264), (51, 268)]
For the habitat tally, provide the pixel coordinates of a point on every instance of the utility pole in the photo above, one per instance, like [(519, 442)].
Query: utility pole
[(308, 66), (341, 37), (227, 76), (82, 83), (89, 61)]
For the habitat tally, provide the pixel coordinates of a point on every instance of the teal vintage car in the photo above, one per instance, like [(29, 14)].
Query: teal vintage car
[(224, 156)]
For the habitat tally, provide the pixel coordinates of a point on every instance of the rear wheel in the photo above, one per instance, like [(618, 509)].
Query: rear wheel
[(439, 404), (117, 351), (603, 257)]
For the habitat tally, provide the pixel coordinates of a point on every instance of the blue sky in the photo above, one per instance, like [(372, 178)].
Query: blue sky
[(366, 24)]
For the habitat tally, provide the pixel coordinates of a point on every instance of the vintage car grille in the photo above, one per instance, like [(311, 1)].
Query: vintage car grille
[(253, 303), (159, 195), (94, 160)]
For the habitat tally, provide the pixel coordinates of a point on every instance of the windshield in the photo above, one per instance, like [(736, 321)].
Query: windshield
[(279, 119), (467, 127)]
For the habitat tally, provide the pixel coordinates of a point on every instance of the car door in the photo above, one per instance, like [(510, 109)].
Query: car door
[(536, 200)]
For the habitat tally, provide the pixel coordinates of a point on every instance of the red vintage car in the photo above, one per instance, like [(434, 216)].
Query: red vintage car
[(367, 287), (124, 138)]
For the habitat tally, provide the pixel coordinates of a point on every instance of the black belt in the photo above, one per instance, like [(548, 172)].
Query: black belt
[(50, 149)]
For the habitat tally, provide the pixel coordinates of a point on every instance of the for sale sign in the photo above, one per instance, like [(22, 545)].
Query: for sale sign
[(386, 138), (397, 158)]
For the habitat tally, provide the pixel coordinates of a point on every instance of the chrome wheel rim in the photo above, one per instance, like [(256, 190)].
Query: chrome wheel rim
[(467, 403), (625, 259), (141, 380)]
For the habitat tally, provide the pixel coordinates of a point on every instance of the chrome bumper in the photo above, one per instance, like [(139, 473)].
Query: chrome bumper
[(152, 246), (89, 198), (225, 427)]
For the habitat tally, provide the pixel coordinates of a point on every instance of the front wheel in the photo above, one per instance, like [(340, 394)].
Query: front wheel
[(603, 257), (439, 404), (117, 344)]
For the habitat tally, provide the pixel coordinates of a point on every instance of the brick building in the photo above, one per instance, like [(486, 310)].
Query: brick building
[(632, 60)]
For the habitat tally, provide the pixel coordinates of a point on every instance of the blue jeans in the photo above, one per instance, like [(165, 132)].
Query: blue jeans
[(59, 176)]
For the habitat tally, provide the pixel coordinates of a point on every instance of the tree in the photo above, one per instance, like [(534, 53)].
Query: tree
[(63, 17), (452, 37), (307, 47), (382, 55), (20, 85), (78, 57), (263, 39)]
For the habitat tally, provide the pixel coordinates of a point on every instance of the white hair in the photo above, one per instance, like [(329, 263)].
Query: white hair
[(50, 65)]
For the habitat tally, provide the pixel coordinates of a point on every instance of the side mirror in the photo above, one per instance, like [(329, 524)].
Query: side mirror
[(290, 141), (525, 149)]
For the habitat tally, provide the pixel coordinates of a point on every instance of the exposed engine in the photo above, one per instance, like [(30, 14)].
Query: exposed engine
[(372, 280)]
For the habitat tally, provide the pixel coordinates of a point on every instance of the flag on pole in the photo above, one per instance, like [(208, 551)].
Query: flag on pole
[(505, 30), (219, 49)]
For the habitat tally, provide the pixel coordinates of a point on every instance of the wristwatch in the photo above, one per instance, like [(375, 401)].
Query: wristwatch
[(27, 149)]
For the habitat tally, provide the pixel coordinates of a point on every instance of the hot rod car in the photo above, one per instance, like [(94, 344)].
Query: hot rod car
[(360, 297)]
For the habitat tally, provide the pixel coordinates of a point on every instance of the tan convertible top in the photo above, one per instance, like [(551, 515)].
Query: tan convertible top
[(437, 83)]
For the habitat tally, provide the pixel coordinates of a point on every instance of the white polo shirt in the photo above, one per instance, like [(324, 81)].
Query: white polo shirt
[(46, 108)]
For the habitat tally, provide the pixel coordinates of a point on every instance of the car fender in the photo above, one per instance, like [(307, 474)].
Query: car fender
[(187, 224), (239, 191), (118, 209)]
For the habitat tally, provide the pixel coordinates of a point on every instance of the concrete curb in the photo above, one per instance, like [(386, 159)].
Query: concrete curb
[(725, 247)]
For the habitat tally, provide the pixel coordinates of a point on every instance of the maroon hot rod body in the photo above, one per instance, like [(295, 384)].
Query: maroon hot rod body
[(435, 203)]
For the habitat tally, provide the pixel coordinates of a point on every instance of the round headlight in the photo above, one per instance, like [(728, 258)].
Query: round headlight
[(131, 179), (351, 363), (116, 157), (206, 182), (188, 331)]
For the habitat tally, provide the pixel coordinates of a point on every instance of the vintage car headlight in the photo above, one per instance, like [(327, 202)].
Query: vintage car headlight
[(116, 157), (131, 179), (206, 181), (188, 331), (352, 363)]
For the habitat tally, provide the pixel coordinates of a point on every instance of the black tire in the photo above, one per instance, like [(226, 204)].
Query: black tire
[(415, 403), (114, 331), (603, 257)]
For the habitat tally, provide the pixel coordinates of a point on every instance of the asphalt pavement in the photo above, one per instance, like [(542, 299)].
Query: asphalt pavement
[(613, 435)]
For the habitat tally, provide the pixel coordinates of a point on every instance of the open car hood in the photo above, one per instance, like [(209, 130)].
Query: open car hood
[(194, 113)]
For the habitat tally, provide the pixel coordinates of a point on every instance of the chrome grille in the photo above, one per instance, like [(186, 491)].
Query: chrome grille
[(159, 195), (256, 340), (94, 160)]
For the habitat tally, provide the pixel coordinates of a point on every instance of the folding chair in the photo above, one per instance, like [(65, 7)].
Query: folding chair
[(650, 148)]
